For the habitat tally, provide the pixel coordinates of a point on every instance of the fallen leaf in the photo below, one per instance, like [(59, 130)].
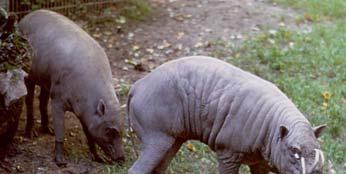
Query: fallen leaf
[(272, 32), (164, 45), (191, 147), (108, 33), (149, 50), (130, 35), (282, 24), (308, 17), (135, 47), (121, 20), (96, 35), (198, 44), (180, 35)]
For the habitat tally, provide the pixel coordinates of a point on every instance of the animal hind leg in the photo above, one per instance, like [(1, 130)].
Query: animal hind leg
[(58, 122), (44, 98), (153, 154), (29, 102)]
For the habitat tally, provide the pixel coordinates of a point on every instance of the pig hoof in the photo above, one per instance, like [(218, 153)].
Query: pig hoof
[(47, 130), (97, 159), (60, 163), (30, 134), (120, 160)]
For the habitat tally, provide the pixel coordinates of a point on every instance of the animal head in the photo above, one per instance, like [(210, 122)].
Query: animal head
[(299, 150), (106, 130)]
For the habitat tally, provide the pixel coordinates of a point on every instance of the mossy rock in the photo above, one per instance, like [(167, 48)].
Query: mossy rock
[(9, 118), (14, 54)]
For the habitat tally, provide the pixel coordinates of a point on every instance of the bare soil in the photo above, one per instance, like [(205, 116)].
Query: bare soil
[(175, 28)]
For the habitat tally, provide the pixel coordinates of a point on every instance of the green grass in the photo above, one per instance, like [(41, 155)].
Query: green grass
[(304, 65), (135, 9), (318, 9), (314, 64)]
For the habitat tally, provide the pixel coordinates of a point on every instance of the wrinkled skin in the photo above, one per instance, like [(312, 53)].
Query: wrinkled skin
[(73, 71), (243, 118)]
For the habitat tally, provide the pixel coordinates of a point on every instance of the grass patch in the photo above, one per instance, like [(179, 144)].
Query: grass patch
[(318, 9), (136, 9)]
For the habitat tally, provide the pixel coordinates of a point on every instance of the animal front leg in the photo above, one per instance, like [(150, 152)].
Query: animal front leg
[(91, 145), (168, 157), (58, 122), (152, 155), (228, 164)]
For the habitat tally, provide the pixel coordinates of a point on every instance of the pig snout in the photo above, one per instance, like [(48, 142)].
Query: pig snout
[(114, 150), (118, 156)]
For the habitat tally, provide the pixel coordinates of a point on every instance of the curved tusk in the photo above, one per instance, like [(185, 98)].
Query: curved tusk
[(317, 157), (303, 165), (322, 156)]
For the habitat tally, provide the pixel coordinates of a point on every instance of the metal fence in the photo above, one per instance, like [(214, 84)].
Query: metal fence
[(22, 7), (3, 4)]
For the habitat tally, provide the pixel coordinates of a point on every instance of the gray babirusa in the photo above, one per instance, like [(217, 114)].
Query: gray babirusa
[(243, 118), (73, 70)]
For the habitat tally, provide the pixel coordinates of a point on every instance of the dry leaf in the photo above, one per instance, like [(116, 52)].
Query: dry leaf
[(198, 44), (180, 35), (191, 147), (96, 35), (149, 50), (308, 17), (121, 20), (135, 47)]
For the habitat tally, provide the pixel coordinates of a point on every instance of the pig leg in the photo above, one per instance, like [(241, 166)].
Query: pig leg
[(154, 152), (44, 98), (91, 144), (169, 156), (58, 122), (228, 164), (29, 101)]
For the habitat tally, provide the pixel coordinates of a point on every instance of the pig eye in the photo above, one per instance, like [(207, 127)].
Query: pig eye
[(296, 156), (296, 152)]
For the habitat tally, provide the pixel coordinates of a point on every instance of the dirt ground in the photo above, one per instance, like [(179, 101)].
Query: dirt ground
[(175, 28)]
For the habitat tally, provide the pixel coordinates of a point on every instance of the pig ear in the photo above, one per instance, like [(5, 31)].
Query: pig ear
[(101, 108), (283, 132), (111, 131), (319, 129)]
